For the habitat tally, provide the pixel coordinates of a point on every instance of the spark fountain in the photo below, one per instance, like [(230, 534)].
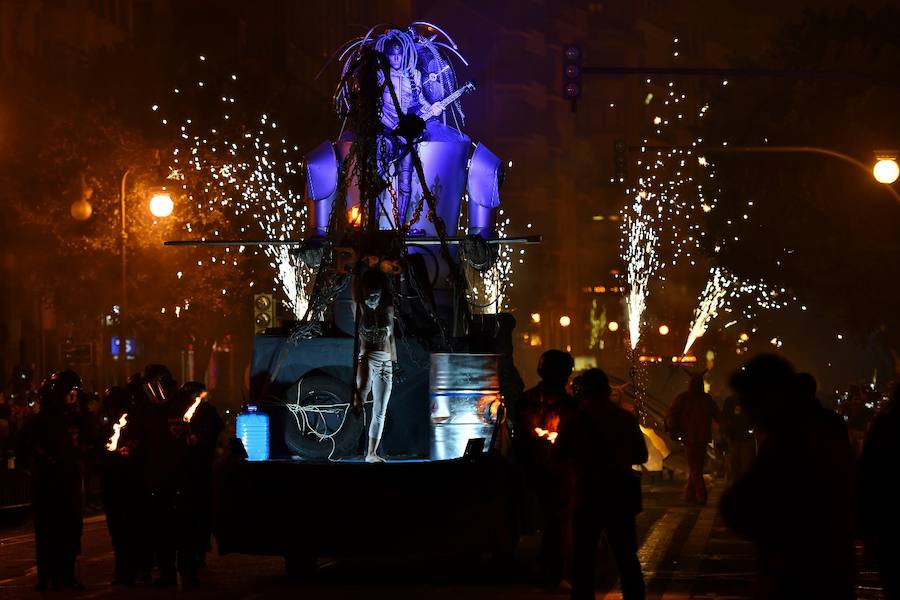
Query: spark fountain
[(640, 256), (241, 171), (725, 289)]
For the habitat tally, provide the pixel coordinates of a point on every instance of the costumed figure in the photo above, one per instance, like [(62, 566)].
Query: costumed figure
[(406, 84), (53, 450), (164, 447), (122, 487), (204, 426), (690, 419), (377, 351)]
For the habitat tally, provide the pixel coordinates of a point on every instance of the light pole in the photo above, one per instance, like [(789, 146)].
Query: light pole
[(161, 205), (884, 171)]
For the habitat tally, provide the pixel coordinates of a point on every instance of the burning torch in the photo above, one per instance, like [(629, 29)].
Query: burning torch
[(113, 444)]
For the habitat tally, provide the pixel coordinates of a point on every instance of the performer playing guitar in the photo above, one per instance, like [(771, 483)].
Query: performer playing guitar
[(406, 82)]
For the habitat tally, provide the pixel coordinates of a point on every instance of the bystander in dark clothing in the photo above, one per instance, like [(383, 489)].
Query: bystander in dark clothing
[(880, 522), (602, 441), (690, 419), (204, 428), (162, 438), (52, 449), (121, 484), (536, 420), (739, 441), (796, 502), (806, 388)]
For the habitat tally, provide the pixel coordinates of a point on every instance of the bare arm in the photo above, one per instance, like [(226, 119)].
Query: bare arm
[(390, 334)]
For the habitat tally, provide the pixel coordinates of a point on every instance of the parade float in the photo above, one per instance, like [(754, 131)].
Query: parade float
[(405, 193)]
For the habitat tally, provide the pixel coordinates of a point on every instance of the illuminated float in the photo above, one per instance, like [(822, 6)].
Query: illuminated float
[(404, 193)]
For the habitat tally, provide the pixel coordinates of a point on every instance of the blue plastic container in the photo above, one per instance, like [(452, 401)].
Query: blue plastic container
[(253, 431)]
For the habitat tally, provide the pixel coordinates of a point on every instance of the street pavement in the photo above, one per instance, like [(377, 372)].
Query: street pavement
[(685, 552)]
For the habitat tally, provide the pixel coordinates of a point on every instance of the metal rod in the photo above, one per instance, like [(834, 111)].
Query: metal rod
[(743, 72), (425, 241), (123, 301)]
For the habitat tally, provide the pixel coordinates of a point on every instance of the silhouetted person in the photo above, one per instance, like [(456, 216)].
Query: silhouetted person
[(806, 388), (602, 442), (163, 441), (796, 502), (690, 417), (536, 419), (52, 448), (738, 434), (880, 524), (122, 486), (203, 433)]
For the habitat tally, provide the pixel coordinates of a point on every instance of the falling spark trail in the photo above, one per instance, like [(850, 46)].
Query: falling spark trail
[(711, 299), (640, 256), (723, 289)]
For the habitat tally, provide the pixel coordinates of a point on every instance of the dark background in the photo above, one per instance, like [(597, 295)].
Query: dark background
[(78, 78)]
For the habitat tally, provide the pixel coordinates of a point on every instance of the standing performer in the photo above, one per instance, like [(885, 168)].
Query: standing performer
[(374, 312)]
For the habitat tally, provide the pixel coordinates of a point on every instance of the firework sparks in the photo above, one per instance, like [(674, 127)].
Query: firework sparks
[(725, 291), (710, 301), (239, 171), (639, 254), (489, 291)]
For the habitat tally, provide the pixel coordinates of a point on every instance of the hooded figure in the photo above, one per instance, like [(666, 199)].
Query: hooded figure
[(53, 449), (121, 486), (690, 418)]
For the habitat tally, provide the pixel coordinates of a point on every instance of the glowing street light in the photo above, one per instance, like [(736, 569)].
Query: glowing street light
[(886, 170), (535, 317), (613, 326), (663, 329), (565, 321), (161, 204)]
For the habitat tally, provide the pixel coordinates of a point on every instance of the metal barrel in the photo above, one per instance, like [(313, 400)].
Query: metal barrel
[(465, 396)]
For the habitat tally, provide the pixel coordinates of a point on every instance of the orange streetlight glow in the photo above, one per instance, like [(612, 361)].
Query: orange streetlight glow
[(161, 204)]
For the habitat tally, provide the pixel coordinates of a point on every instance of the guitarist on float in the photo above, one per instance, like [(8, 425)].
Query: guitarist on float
[(407, 83)]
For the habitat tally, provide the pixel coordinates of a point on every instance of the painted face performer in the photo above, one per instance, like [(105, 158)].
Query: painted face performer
[(377, 351)]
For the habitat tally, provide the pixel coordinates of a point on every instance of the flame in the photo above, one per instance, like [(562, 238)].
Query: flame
[(189, 413), (354, 216), (550, 436), (113, 443)]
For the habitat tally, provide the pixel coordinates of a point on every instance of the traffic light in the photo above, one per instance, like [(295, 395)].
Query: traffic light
[(263, 313), (620, 161), (571, 84)]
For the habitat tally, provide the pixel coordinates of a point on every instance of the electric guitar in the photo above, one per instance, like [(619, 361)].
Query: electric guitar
[(432, 77), (439, 106)]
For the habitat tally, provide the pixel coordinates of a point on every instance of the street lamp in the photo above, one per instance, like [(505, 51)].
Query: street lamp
[(161, 205), (565, 320), (886, 170)]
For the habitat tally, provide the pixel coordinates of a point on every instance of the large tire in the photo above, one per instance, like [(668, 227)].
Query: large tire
[(333, 418)]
